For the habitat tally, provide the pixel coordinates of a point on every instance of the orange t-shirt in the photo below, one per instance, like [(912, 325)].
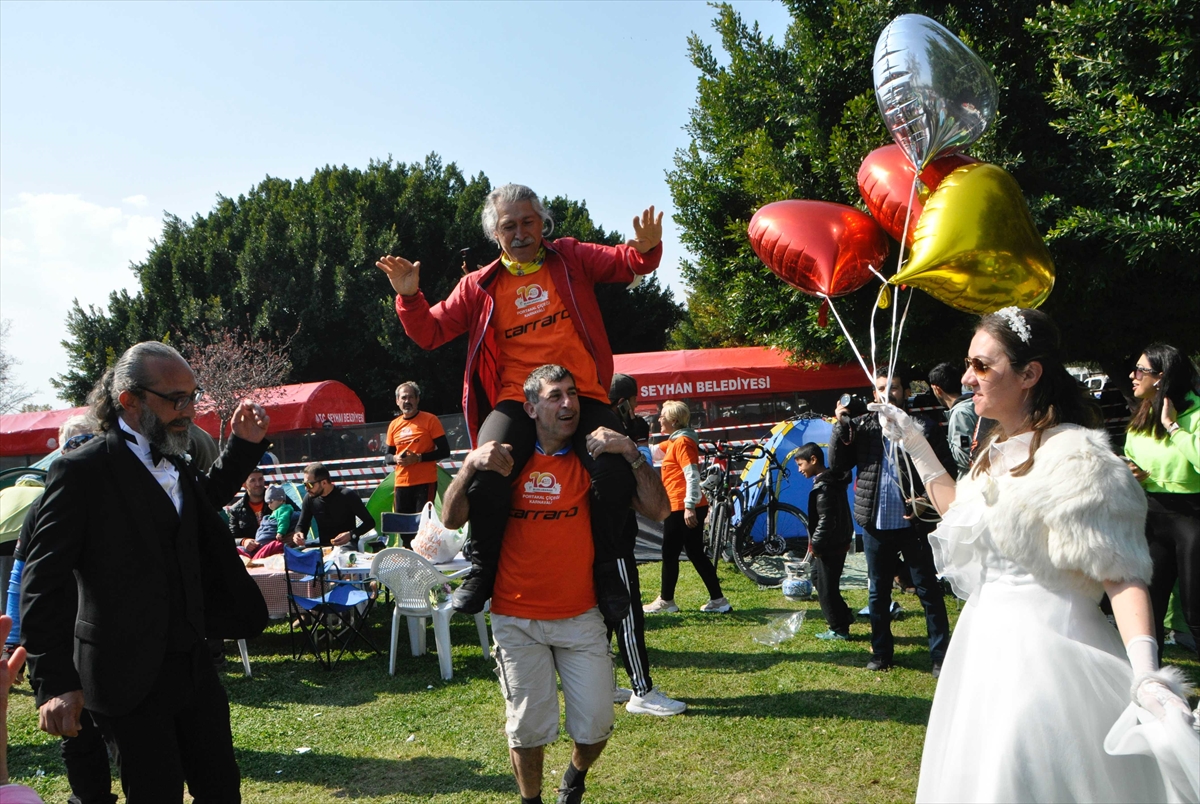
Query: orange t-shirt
[(533, 328), (680, 452), (415, 435), (545, 570)]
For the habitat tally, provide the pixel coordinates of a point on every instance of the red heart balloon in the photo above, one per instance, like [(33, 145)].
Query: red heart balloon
[(885, 182), (817, 246)]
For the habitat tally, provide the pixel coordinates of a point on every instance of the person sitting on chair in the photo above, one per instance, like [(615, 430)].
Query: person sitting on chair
[(340, 514)]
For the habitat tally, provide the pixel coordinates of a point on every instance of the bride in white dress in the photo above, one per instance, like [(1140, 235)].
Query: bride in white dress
[(1033, 703)]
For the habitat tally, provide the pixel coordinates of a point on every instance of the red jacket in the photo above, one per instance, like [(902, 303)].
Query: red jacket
[(574, 267)]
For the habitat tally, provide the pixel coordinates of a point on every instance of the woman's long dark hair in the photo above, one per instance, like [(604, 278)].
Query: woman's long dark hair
[(1177, 377), (1058, 398)]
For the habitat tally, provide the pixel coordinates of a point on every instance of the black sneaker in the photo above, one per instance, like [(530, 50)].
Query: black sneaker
[(878, 665), (570, 795), (937, 670), (474, 592)]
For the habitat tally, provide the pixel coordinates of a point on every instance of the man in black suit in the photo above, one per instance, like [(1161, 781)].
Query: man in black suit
[(136, 528)]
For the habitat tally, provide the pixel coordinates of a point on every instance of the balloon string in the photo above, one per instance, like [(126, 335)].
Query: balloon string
[(846, 332), (896, 333)]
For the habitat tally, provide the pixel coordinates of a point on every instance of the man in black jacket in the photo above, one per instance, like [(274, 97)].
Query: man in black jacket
[(136, 529), (889, 503), (340, 514), (829, 534), (246, 513)]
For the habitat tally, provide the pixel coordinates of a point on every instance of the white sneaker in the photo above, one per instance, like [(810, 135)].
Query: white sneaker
[(718, 605), (622, 695), (660, 606), (655, 702)]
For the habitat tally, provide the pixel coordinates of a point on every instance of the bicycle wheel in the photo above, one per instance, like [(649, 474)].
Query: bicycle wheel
[(717, 531), (760, 557)]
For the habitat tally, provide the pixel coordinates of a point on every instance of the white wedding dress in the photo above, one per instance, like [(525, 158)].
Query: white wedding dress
[(1036, 675)]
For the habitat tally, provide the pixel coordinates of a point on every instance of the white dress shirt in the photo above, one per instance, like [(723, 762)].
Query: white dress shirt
[(165, 473)]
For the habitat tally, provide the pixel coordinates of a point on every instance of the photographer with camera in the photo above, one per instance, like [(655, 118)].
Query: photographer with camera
[(890, 505)]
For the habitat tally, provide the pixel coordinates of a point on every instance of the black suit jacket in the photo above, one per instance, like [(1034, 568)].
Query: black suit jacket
[(95, 531)]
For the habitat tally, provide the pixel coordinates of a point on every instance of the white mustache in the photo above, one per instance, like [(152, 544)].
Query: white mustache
[(519, 243)]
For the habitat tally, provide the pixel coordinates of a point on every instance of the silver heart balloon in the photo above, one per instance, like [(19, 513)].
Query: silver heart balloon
[(934, 92)]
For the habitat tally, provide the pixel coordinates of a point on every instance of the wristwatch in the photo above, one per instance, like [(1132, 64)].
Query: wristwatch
[(1172, 428), (639, 463)]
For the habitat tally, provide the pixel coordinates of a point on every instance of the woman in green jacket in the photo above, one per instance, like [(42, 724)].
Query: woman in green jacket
[(1163, 449)]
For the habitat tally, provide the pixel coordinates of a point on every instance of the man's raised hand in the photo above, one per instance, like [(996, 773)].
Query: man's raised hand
[(250, 422), (647, 231), (405, 276)]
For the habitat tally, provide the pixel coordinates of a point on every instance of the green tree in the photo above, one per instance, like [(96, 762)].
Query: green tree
[(795, 120), (296, 260)]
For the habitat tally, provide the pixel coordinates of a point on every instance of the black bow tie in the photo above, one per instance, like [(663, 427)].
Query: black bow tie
[(156, 457)]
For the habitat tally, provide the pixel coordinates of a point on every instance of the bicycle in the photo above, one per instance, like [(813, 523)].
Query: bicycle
[(768, 533)]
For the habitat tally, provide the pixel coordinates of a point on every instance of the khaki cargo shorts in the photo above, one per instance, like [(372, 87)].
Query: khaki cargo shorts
[(528, 652)]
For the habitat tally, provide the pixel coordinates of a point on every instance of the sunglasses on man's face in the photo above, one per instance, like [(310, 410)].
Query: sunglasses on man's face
[(178, 402), (311, 484), (1140, 371)]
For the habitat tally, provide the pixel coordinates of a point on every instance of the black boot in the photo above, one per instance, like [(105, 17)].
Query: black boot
[(612, 595), (476, 589)]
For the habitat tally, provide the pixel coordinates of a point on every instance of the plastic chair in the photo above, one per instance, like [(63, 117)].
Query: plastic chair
[(314, 615), (414, 581)]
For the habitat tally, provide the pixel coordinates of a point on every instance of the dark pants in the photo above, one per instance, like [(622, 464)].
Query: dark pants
[(827, 578), (678, 536), (489, 492), (179, 732), (411, 499), (631, 632), (1173, 532), (86, 758), (885, 549)]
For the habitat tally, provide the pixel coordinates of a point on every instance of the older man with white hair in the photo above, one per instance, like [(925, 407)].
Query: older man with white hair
[(534, 305)]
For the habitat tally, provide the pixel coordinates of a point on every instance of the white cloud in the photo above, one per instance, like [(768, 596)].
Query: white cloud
[(138, 201), (56, 248)]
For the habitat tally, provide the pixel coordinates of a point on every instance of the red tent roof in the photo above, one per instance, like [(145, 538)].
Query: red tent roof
[(291, 407), (741, 371)]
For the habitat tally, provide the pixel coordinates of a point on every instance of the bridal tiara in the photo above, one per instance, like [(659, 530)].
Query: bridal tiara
[(1016, 322)]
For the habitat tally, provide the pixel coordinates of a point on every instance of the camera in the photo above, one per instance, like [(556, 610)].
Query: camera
[(855, 406)]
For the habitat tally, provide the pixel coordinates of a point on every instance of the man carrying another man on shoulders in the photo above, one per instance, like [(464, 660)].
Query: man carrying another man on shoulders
[(544, 614)]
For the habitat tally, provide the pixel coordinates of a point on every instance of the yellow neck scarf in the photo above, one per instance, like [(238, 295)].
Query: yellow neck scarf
[(523, 268)]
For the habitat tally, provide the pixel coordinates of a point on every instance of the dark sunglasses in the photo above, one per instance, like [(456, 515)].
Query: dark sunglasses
[(77, 441), (976, 365), (179, 402), (312, 484), (1141, 371)]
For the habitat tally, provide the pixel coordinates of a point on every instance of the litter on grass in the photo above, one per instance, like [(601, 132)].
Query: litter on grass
[(303, 750), (779, 629)]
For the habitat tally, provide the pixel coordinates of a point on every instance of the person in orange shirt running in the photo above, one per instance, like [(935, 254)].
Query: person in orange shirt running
[(420, 442), (535, 304), (545, 618), (684, 528)]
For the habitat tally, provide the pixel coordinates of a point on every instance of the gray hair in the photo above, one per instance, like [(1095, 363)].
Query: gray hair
[(547, 373), (130, 373), (512, 194), (76, 425), (416, 389)]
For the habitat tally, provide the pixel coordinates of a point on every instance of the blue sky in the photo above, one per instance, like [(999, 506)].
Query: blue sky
[(112, 114)]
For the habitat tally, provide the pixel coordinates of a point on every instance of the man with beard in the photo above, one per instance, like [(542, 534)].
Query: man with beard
[(136, 529), (247, 513), (420, 442)]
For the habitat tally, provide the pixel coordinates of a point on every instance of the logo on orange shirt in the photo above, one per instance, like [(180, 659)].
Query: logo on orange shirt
[(531, 295), (543, 485)]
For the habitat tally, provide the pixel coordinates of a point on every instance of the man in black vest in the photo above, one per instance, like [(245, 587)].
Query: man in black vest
[(136, 528)]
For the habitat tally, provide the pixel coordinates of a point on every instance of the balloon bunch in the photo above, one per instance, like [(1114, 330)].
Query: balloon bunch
[(972, 241)]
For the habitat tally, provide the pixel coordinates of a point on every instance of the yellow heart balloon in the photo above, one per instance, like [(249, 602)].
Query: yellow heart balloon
[(976, 247)]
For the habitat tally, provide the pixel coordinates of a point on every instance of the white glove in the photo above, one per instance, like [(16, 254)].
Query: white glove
[(1160, 691), (898, 426)]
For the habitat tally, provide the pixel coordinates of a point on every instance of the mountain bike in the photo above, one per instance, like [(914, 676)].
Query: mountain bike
[(760, 535)]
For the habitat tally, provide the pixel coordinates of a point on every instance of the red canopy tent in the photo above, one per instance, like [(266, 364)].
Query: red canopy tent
[(291, 408), (741, 371)]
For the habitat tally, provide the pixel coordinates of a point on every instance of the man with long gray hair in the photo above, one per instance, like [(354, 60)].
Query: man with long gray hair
[(131, 524), (535, 304)]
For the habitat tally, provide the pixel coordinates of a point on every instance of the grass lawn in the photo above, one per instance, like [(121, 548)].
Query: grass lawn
[(805, 722)]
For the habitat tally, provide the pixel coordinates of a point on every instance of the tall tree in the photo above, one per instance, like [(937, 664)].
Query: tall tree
[(795, 119), (297, 260)]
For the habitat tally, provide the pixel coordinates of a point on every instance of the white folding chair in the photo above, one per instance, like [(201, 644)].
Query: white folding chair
[(413, 582)]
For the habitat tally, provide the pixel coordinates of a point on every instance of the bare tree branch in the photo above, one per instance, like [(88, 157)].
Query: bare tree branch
[(231, 367), (12, 393)]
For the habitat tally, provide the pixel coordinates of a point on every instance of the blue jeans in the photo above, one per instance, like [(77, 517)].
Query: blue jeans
[(885, 549)]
